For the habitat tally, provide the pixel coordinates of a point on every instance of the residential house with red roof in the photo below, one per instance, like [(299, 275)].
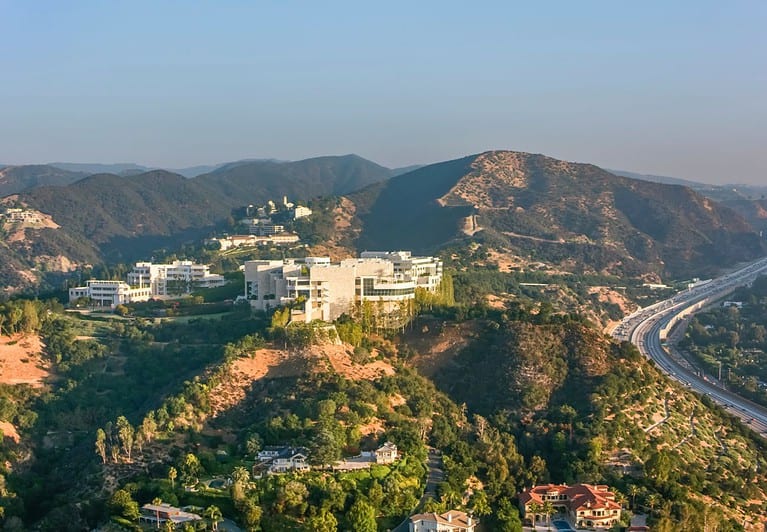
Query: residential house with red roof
[(584, 505)]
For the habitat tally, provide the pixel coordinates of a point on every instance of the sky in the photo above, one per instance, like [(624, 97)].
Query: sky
[(668, 88)]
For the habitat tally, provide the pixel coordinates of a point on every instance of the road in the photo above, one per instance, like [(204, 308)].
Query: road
[(647, 329), (434, 477)]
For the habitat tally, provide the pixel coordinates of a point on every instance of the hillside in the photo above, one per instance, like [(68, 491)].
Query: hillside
[(574, 215), (15, 179), (125, 217), (262, 180), (108, 218), (753, 210), (588, 406)]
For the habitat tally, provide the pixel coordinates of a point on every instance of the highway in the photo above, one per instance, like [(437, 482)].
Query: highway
[(647, 329)]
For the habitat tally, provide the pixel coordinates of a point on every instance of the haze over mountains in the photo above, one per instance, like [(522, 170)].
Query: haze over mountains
[(564, 213)]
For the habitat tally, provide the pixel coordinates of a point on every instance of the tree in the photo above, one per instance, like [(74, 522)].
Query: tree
[(362, 517), (240, 475), (324, 449), (322, 522), (30, 320), (547, 509), (190, 469), (480, 424), (253, 445), (101, 445), (213, 513), (633, 491), (508, 516), (157, 501), (479, 503), (652, 501), (149, 427), (14, 318), (172, 474), (534, 509), (122, 504), (292, 496), (125, 433), (251, 514)]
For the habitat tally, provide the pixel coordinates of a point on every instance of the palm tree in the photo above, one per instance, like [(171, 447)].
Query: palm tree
[(214, 514), (172, 474), (652, 501), (240, 474), (157, 501), (535, 510), (547, 509), (633, 492)]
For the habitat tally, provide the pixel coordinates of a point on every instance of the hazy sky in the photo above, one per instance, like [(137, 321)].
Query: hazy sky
[(667, 87)]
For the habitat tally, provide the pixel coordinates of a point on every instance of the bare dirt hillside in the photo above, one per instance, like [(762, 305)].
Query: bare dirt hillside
[(21, 361)]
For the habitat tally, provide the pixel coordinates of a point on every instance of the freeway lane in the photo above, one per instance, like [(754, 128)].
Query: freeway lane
[(647, 327)]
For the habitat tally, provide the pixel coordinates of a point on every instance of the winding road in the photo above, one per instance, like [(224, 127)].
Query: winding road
[(647, 329)]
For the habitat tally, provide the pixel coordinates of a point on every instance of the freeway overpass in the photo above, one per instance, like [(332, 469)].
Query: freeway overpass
[(647, 329)]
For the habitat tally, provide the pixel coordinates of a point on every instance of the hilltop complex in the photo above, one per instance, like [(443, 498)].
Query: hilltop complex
[(146, 281), (322, 290)]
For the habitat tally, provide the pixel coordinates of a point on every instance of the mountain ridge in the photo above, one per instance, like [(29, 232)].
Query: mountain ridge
[(556, 209)]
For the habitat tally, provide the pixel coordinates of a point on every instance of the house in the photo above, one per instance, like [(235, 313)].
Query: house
[(301, 212), (386, 453), (270, 452), (157, 514), (450, 521), (106, 293), (281, 459), (584, 505), (178, 277), (22, 216), (291, 459)]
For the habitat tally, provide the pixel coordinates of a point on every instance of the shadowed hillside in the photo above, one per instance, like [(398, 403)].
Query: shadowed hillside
[(15, 179), (575, 215), (260, 181)]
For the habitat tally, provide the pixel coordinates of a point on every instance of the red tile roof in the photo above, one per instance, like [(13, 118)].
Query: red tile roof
[(579, 496)]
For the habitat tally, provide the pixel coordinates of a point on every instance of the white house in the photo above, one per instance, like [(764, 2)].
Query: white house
[(176, 278), (301, 212), (109, 293), (386, 453), (450, 521), (281, 459)]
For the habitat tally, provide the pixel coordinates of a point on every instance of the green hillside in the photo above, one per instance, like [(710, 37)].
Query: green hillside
[(15, 179), (259, 181)]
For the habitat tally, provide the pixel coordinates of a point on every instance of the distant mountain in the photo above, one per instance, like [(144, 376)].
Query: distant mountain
[(405, 169), (125, 217), (97, 168), (575, 215), (105, 217), (256, 181), (746, 200), (14, 179), (666, 180)]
